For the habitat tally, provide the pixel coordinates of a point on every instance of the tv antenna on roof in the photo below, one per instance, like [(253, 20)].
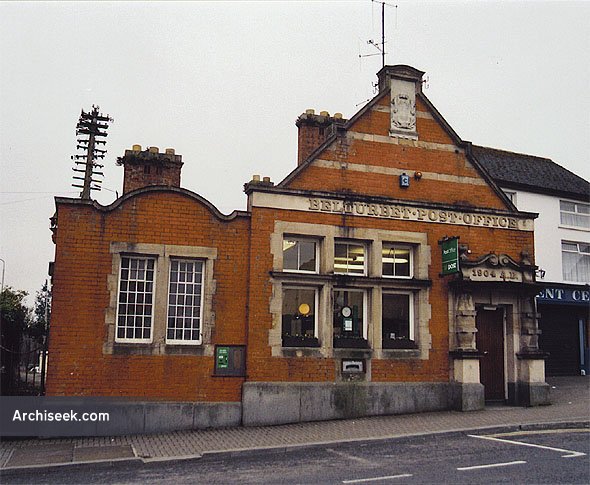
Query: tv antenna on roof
[(380, 46)]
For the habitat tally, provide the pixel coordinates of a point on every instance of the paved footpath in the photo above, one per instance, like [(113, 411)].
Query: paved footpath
[(570, 397)]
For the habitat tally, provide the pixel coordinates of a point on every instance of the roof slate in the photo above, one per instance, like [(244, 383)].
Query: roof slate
[(536, 174)]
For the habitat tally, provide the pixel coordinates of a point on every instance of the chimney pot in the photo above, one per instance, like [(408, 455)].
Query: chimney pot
[(144, 168), (255, 178), (266, 179), (338, 116), (324, 113), (310, 111)]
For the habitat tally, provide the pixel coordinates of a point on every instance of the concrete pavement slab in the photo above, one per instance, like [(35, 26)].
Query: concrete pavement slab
[(41, 455), (99, 453)]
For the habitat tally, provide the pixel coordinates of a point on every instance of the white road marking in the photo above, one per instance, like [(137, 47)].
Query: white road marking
[(491, 465), (361, 480), (569, 453), (358, 459), (541, 431)]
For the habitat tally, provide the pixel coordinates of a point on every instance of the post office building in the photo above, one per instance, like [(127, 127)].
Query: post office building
[(386, 273)]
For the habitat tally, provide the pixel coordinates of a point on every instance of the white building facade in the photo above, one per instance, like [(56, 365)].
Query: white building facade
[(562, 250)]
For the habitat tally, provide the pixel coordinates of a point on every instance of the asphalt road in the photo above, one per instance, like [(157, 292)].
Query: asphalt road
[(548, 456)]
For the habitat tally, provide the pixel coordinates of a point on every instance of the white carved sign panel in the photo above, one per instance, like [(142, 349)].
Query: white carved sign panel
[(419, 214), (391, 211), (492, 274)]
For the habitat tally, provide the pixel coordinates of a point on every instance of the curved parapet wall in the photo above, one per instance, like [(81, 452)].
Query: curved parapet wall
[(150, 189)]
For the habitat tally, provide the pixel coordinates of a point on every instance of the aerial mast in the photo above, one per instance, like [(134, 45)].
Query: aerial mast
[(382, 34), (380, 46)]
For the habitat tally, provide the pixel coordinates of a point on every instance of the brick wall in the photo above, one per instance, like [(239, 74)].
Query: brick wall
[(80, 298), (263, 367)]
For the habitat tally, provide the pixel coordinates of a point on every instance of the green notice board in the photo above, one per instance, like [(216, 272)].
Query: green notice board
[(230, 360), (222, 357), (450, 256)]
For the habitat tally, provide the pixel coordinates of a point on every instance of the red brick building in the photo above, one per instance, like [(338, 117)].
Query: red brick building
[(325, 299)]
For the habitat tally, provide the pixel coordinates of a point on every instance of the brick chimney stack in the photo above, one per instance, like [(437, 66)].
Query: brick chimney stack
[(314, 130), (150, 167)]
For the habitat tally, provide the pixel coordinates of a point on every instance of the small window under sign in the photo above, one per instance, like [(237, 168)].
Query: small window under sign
[(230, 360)]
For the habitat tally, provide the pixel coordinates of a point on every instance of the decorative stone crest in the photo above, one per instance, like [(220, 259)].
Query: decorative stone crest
[(403, 112), (403, 109)]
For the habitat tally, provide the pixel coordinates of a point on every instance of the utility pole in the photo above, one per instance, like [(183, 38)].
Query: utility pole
[(45, 346), (90, 128), (3, 268), (2, 287)]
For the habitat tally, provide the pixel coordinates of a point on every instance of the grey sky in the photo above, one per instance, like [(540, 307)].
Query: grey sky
[(223, 83)]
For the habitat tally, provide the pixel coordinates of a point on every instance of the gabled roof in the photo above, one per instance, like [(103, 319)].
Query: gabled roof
[(437, 117), (530, 173), (367, 107)]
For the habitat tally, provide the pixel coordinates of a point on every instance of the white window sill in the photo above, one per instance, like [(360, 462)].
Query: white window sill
[(192, 343), (133, 341), (574, 228)]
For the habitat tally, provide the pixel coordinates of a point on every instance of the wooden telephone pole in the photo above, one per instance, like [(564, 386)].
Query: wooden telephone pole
[(90, 128)]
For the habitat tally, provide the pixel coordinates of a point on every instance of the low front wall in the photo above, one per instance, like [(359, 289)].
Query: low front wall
[(122, 416), (269, 403), (160, 417)]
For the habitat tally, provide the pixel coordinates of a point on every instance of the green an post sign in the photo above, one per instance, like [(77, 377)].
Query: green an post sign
[(222, 357), (450, 256)]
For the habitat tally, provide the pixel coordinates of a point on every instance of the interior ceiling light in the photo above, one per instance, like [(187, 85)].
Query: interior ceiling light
[(395, 260)]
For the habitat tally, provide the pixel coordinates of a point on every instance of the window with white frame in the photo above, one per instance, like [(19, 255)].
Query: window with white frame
[(160, 294), (350, 258), (576, 261), (300, 255), (135, 307), (396, 261), (350, 318), (299, 317), (185, 295), (352, 275), (574, 214), (397, 323)]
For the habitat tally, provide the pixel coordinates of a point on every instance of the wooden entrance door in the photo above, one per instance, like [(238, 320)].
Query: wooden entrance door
[(490, 342)]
